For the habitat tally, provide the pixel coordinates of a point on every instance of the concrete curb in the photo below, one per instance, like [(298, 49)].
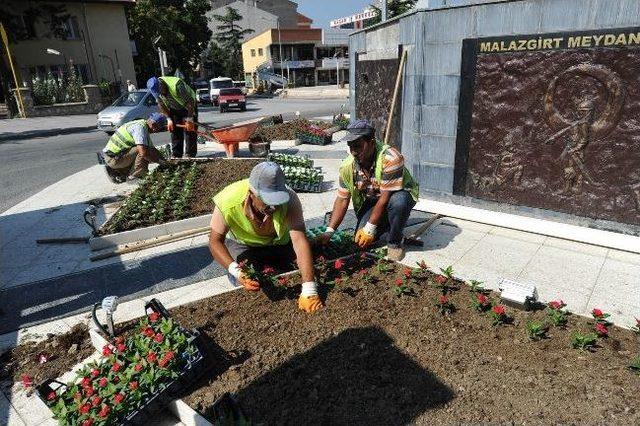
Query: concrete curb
[(5, 137)]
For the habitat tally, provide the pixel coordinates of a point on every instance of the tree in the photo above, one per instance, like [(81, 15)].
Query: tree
[(394, 8), (181, 26), (229, 38)]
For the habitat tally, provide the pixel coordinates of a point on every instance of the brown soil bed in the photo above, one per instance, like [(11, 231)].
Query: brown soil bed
[(59, 350), (213, 176), (371, 357), (288, 130)]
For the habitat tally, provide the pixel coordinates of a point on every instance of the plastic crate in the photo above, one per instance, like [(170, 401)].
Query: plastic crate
[(312, 139)]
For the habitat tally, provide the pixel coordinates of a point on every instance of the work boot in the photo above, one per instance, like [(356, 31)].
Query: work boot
[(114, 176), (395, 252)]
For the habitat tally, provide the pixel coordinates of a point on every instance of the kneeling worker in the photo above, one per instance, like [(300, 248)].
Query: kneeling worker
[(382, 189), (265, 225), (130, 150)]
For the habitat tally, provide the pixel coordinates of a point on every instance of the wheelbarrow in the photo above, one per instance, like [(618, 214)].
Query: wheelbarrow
[(229, 136)]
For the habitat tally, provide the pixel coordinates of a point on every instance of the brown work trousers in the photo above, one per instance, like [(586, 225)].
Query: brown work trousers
[(130, 163)]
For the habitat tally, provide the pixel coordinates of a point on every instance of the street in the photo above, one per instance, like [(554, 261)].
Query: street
[(27, 166)]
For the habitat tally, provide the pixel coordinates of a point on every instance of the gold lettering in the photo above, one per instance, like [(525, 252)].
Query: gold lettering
[(557, 41), (495, 47), (597, 38), (621, 40), (586, 41), (522, 44), (574, 42), (503, 47), (513, 45), (634, 38), (532, 45), (546, 44), (609, 39), (485, 46)]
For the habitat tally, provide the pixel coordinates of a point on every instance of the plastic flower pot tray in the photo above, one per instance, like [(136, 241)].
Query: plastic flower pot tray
[(313, 139), (146, 413)]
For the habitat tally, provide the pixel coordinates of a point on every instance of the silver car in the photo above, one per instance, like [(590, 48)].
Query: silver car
[(130, 106)]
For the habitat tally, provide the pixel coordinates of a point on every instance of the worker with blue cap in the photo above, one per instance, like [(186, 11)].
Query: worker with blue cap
[(130, 150), (259, 221), (177, 101)]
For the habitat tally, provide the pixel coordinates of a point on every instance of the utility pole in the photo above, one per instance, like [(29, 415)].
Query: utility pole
[(384, 10)]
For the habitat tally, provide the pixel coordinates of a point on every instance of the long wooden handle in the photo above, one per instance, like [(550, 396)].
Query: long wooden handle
[(395, 97)]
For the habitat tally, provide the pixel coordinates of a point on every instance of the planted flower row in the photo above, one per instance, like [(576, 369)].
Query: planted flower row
[(130, 372)]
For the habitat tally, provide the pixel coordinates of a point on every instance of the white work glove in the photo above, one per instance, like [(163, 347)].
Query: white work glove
[(237, 279), (325, 236), (309, 300)]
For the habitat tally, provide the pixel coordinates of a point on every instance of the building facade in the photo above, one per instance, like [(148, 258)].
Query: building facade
[(93, 37)]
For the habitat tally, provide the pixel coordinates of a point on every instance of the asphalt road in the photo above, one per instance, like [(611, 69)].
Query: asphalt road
[(27, 166)]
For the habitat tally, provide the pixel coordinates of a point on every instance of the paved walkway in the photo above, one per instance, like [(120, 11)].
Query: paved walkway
[(27, 128)]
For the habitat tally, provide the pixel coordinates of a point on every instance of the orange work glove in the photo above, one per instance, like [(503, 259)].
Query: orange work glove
[(237, 277), (189, 125), (366, 235), (170, 126), (309, 300)]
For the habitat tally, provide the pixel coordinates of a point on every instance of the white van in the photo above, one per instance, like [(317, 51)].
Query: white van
[(215, 84)]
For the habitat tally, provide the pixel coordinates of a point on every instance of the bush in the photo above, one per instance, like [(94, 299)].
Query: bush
[(44, 90)]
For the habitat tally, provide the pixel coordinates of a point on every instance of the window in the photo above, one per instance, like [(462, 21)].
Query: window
[(71, 28), (26, 25), (260, 52), (253, 53)]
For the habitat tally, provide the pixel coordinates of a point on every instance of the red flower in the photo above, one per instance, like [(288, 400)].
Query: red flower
[(88, 422), (399, 282), (133, 385), (84, 409), (104, 412), (154, 316), (151, 357), (116, 367), (121, 347), (138, 367), (441, 279), (557, 304), (268, 270), (42, 358), (338, 280), (95, 372), (52, 395), (118, 398), (338, 264), (27, 381), (96, 400), (637, 322), (119, 340), (85, 382), (601, 329), (103, 382), (282, 281), (499, 310), (363, 256), (407, 273), (149, 332), (443, 300), (169, 355), (482, 299), (597, 313), (321, 259), (159, 338), (88, 391), (106, 350), (163, 362)]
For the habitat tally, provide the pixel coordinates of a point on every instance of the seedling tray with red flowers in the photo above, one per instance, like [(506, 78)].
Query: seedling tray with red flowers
[(313, 135), (136, 377)]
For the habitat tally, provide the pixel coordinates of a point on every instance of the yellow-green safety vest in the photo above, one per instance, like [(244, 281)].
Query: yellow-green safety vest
[(172, 83), (230, 202), (347, 171), (122, 139)]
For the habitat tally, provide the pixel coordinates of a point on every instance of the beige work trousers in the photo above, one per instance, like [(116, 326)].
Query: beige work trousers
[(129, 164)]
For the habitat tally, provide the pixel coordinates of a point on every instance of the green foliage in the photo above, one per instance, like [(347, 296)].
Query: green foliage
[(229, 39), (394, 8), (73, 91), (182, 26), (476, 286), (536, 330), (584, 342), (44, 90), (635, 365)]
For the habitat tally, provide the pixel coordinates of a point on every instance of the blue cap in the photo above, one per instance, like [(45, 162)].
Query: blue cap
[(158, 118), (153, 84), (358, 129)]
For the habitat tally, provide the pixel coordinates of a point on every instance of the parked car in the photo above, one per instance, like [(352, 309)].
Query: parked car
[(215, 84), (203, 95), (232, 98), (128, 107)]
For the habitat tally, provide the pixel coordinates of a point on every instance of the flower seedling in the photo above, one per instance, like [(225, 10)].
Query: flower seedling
[(444, 305), (440, 281), (557, 315), (600, 316), (480, 302), (635, 365), (536, 330), (401, 288), (476, 286), (249, 271), (636, 329), (601, 330), (498, 315), (584, 342)]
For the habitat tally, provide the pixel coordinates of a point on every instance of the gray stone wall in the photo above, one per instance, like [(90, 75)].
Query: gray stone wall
[(433, 39)]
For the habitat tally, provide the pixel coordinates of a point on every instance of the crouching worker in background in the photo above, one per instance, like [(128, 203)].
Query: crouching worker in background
[(130, 150), (263, 220)]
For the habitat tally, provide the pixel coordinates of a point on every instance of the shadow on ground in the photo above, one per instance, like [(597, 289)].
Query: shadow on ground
[(356, 377)]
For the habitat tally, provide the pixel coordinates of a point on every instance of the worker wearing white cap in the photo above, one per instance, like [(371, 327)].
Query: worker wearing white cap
[(263, 221)]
